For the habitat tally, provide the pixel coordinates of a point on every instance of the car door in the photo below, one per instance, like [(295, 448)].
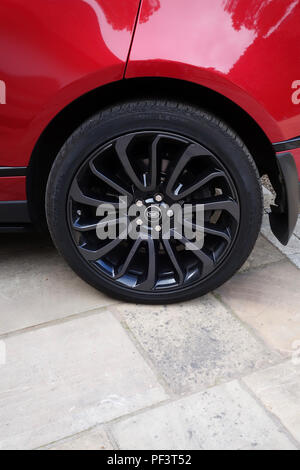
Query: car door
[(52, 52)]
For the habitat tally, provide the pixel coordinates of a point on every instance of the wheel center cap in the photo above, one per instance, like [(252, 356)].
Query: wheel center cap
[(153, 213)]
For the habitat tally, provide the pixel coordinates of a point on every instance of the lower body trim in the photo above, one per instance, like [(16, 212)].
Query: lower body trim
[(14, 212)]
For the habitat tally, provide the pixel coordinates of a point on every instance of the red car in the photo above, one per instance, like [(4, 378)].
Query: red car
[(167, 103)]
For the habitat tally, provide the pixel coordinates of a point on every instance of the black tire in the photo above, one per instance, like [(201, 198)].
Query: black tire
[(194, 125)]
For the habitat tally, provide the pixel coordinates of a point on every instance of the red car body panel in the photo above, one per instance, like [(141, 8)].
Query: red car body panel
[(54, 51), (247, 50), (13, 188)]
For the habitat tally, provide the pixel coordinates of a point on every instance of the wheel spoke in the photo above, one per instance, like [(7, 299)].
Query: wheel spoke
[(101, 223), (121, 149), (219, 203), (150, 280), (83, 227), (173, 258), (94, 255), (154, 164), (206, 261), (112, 222), (193, 150), (110, 182), (90, 255), (210, 229), (205, 178), (78, 196), (129, 258)]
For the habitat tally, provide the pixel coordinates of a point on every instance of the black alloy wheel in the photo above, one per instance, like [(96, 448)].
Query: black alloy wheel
[(154, 167), (157, 170)]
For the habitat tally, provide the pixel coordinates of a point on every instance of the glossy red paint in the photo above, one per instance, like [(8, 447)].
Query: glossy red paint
[(52, 52), (13, 188), (247, 50)]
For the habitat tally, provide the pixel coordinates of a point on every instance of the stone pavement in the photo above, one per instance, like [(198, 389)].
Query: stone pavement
[(79, 370)]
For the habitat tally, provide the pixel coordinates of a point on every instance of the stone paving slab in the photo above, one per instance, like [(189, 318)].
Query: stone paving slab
[(264, 253), (292, 250), (279, 390), (37, 286), (93, 439), (224, 417), (268, 299), (269, 199), (196, 344), (66, 378), (297, 230), (294, 244), (63, 380), (295, 259)]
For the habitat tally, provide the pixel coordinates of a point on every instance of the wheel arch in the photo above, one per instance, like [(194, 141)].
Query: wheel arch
[(67, 120)]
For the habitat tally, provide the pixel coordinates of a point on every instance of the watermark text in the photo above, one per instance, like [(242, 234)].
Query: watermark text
[(296, 93), (2, 92)]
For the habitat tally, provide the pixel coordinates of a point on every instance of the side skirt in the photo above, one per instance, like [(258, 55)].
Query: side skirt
[(14, 212)]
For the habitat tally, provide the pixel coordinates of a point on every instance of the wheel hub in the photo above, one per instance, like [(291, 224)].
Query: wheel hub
[(153, 213)]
